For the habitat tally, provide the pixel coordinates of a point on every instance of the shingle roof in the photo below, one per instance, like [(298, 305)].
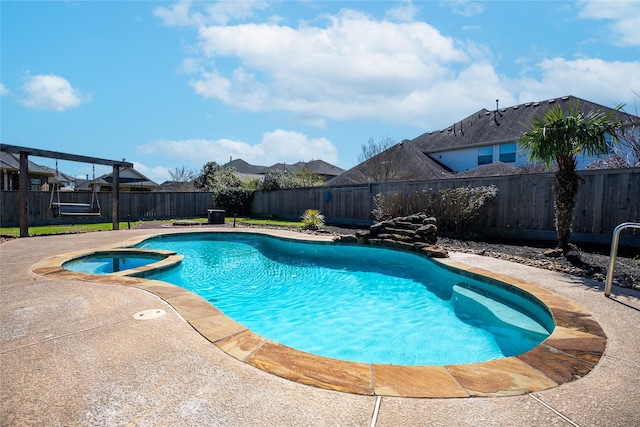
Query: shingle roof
[(58, 177), (319, 167), (492, 169), (502, 125), (409, 164), (138, 180), (243, 167), (11, 162)]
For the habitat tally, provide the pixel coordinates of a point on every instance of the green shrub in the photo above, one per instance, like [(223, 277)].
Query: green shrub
[(235, 201), (312, 219)]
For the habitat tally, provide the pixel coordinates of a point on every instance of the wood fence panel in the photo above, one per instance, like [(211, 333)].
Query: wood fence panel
[(525, 203)]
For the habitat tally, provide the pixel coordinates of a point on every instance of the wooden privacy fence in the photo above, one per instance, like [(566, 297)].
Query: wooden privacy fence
[(138, 206), (524, 207)]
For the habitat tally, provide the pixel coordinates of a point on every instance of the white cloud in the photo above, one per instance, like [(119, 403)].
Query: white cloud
[(406, 12), (224, 12), (623, 17), (156, 174), (182, 14), (275, 147), (321, 73), (179, 15), (50, 92), (466, 8), (594, 79), (403, 72), (4, 90)]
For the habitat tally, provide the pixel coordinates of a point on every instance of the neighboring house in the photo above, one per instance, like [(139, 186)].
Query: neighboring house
[(10, 173), (63, 181), (129, 179), (402, 162), (492, 169), (245, 170), (488, 136), (318, 167)]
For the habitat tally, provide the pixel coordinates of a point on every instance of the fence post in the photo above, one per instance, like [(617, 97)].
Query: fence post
[(115, 197), (23, 212)]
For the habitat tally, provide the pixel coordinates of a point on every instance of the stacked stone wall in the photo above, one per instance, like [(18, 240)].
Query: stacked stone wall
[(417, 232)]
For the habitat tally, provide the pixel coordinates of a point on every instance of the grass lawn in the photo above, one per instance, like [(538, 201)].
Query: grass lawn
[(84, 228)]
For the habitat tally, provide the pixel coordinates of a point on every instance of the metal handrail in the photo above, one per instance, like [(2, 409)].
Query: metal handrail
[(614, 253)]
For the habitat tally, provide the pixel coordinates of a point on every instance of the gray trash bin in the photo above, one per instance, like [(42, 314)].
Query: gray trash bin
[(216, 216)]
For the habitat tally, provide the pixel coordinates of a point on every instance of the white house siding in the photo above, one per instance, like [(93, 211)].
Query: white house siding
[(467, 158), (458, 160)]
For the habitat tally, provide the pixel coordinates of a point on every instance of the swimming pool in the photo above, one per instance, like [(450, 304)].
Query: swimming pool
[(355, 303), (107, 262)]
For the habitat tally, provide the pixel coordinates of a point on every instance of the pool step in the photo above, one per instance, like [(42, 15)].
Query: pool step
[(477, 304)]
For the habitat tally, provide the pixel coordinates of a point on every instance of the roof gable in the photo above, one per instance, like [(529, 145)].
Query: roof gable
[(243, 167), (501, 125), (409, 163), (127, 176)]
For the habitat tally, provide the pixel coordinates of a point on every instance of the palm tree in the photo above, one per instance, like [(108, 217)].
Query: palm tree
[(557, 138)]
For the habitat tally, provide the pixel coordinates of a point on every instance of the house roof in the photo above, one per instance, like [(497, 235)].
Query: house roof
[(409, 164), (11, 162), (319, 167), (58, 177), (491, 169), (128, 177), (502, 125), (245, 168)]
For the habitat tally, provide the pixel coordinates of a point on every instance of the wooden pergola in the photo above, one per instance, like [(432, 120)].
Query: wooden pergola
[(23, 200)]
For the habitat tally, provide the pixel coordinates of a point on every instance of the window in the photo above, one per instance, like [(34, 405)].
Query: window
[(485, 155), (508, 152)]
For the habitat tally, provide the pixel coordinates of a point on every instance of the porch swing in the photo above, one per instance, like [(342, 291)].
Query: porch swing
[(60, 209)]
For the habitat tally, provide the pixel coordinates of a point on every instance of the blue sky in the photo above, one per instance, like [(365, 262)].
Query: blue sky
[(173, 84)]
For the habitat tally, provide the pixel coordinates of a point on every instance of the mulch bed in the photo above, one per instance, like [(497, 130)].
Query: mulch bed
[(593, 262)]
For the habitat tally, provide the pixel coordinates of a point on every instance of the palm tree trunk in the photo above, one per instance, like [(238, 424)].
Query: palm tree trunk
[(566, 188)]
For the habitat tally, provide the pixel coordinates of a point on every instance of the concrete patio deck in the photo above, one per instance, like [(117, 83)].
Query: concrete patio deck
[(71, 353)]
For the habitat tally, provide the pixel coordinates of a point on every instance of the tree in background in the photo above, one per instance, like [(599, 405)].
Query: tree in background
[(181, 179), (226, 187), (558, 138), (214, 177), (626, 153), (182, 174), (378, 162), (276, 179), (305, 177)]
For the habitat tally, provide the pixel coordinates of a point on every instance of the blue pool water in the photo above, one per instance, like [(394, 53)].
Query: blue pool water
[(354, 303), (109, 263)]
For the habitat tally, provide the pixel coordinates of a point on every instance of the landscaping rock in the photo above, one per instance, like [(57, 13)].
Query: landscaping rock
[(434, 251), (553, 253), (414, 232)]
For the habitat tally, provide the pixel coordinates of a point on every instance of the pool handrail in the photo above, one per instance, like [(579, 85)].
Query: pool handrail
[(614, 253)]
